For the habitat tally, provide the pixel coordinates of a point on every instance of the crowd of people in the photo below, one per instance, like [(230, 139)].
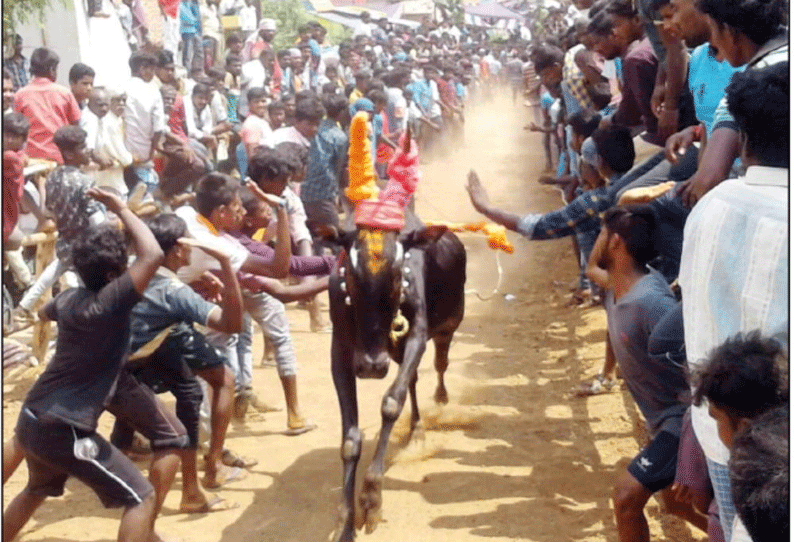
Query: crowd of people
[(224, 162)]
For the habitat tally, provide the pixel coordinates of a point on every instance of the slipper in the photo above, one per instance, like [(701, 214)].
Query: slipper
[(215, 504), (305, 428), (233, 475), (231, 459)]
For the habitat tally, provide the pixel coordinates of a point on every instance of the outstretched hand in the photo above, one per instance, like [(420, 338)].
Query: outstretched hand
[(477, 194), (206, 248), (270, 199)]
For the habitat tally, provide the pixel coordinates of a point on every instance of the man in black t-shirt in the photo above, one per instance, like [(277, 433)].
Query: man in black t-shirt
[(58, 421)]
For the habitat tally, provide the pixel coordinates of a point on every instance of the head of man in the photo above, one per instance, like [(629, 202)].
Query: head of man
[(738, 28), (17, 45), (8, 90), (201, 95), (684, 21), (548, 61), (168, 93), (165, 70), (759, 102), (626, 23), (44, 63), (308, 115), (99, 256), (99, 102), (627, 238), (267, 30), (81, 81), (142, 65)]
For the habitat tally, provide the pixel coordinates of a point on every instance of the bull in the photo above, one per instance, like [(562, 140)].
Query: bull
[(390, 292)]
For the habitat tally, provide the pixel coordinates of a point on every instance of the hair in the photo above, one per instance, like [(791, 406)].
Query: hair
[(214, 190), (584, 122), (249, 201), (622, 8), (759, 102), (164, 57), (140, 59), (256, 93), (329, 88), (296, 154), (234, 37), (69, 138), (759, 476), (201, 88), (615, 146), (7, 74), (305, 94), (745, 375), (233, 57), (274, 106), (215, 73), (97, 253), (167, 228), (600, 24), (267, 164), (759, 20), (309, 109), (546, 56), (377, 96), (16, 124), (80, 70), (42, 60), (304, 28), (636, 225), (335, 104)]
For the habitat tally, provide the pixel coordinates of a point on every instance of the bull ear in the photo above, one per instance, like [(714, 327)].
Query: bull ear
[(422, 237)]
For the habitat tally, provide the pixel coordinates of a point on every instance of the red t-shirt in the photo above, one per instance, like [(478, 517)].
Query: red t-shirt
[(176, 119), (47, 107), (170, 7), (13, 187)]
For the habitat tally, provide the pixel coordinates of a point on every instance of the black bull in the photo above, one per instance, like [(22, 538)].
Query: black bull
[(383, 282)]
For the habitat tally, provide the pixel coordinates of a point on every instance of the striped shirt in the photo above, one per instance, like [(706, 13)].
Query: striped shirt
[(734, 274)]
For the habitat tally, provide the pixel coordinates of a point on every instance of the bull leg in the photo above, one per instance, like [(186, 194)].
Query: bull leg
[(414, 404), (345, 384), (392, 405), (442, 343)]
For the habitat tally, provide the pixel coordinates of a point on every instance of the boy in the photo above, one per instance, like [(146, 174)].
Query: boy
[(66, 201), (57, 423), (266, 306), (637, 301), (81, 81), (15, 134)]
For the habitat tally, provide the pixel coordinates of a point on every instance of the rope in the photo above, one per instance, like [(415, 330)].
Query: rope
[(498, 283)]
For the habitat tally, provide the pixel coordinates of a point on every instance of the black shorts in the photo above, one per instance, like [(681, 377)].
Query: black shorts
[(138, 406), (55, 451), (654, 467)]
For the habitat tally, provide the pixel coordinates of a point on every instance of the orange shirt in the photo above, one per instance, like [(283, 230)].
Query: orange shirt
[(47, 106)]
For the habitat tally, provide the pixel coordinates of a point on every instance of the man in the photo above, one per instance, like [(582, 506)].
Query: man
[(47, 106), (428, 100), (638, 301), (81, 81), (365, 26), (736, 242), (17, 65), (262, 42)]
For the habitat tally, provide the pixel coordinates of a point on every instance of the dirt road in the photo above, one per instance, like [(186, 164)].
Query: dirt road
[(512, 457)]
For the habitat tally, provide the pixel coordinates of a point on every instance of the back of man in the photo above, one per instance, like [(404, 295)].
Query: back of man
[(47, 106)]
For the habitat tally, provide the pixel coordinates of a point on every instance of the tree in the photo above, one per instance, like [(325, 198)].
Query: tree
[(289, 15), (19, 12)]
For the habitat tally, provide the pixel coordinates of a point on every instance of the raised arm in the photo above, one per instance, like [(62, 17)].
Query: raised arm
[(148, 254), (287, 293), (480, 201), (278, 267)]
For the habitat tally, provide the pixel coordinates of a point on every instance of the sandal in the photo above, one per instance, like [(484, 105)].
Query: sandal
[(231, 459), (215, 504), (234, 474), (305, 428)]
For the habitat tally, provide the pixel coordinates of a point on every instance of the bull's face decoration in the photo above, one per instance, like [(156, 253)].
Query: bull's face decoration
[(373, 281)]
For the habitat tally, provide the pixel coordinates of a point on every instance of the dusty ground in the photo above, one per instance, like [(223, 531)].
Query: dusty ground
[(512, 457)]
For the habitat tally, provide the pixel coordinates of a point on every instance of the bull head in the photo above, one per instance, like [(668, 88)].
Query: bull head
[(373, 280)]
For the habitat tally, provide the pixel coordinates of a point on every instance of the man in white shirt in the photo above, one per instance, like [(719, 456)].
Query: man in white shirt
[(365, 26), (105, 143), (144, 118)]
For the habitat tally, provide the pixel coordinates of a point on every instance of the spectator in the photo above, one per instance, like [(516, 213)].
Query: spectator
[(15, 134), (81, 81), (105, 142), (47, 106), (17, 65), (190, 30)]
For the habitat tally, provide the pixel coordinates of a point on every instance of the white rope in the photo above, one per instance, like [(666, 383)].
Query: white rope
[(498, 282)]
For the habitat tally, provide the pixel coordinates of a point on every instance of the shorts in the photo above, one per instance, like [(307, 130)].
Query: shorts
[(654, 467), (136, 405), (54, 451)]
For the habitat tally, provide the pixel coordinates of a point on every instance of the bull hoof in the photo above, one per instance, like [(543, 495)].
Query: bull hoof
[(441, 396), (370, 501)]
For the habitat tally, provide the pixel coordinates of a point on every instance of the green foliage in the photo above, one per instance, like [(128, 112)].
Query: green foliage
[(452, 10), (289, 15), (19, 12)]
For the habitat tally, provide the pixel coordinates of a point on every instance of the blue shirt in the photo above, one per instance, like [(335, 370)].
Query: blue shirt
[(327, 150), (189, 18), (707, 80)]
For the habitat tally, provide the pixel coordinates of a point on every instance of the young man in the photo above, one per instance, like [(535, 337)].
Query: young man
[(327, 157), (17, 65), (15, 133), (637, 301), (46, 105), (748, 213), (58, 421), (81, 81)]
